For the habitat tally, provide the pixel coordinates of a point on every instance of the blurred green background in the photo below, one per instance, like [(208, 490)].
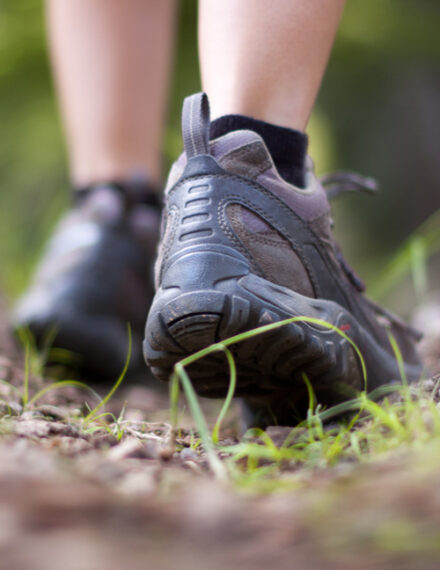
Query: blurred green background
[(378, 113)]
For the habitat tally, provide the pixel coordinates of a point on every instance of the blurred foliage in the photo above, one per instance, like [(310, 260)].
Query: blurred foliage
[(377, 113)]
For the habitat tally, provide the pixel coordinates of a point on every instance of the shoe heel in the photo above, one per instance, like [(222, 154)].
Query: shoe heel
[(201, 310)]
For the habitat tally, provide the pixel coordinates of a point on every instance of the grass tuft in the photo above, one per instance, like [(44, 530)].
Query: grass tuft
[(93, 413), (363, 429)]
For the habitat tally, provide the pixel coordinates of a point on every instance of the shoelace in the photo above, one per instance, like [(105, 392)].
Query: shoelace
[(338, 183)]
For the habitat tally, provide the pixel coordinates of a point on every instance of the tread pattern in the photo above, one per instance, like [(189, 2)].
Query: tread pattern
[(272, 360)]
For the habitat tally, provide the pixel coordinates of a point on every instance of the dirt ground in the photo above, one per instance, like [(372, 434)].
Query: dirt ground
[(75, 498)]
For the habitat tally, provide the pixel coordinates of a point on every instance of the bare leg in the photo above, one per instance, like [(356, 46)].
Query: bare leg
[(266, 60), (111, 61)]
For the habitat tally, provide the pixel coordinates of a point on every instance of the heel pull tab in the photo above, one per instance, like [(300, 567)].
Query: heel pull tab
[(195, 125)]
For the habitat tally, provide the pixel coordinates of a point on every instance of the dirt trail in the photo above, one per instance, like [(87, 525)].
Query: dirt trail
[(86, 499)]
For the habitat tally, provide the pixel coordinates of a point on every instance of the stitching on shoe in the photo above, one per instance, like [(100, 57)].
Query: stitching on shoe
[(255, 185), (167, 242), (258, 237), (229, 232), (295, 246)]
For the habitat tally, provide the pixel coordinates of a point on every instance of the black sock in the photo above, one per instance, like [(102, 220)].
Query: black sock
[(288, 147), (135, 190)]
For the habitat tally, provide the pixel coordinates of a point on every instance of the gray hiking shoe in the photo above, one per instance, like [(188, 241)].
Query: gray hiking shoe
[(95, 278), (242, 248)]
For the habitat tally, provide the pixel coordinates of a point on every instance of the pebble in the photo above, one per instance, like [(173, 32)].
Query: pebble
[(428, 385), (71, 446), (134, 449), (31, 415), (188, 454), (42, 428), (50, 411)]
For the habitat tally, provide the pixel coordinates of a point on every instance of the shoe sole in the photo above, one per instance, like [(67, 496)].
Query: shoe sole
[(96, 347), (217, 298)]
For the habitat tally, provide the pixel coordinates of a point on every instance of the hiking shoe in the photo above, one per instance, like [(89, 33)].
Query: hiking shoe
[(95, 278), (242, 248)]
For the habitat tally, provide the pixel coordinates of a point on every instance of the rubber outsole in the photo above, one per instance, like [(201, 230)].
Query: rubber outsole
[(95, 347), (183, 320)]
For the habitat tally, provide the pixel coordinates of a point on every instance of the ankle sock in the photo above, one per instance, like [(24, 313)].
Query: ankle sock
[(134, 190), (288, 147)]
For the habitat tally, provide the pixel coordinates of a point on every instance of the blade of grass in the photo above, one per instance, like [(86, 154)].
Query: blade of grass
[(12, 387), (214, 461), (174, 399), (229, 395), (428, 237), (48, 340), (61, 384), (116, 385), (270, 327), (418, 260), (356, 403), (27, 356), (399, 358)]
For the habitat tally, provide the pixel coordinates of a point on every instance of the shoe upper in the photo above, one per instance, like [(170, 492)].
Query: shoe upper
[(96, 274), (282, 232)]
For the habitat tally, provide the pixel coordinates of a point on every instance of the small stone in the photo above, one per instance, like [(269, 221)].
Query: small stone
[(53, 412), (28, 427), (188, 454), (58, 428), (32, 427), (166, 453), (413, 393), (70, 446), (428, 385), (31, 415), (135, 449)]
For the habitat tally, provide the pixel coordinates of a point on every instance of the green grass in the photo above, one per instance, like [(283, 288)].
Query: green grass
[(211, 441), (407, 421), (363, 429), (34, 365), (411, 258), (406, 418), (373, 428)]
